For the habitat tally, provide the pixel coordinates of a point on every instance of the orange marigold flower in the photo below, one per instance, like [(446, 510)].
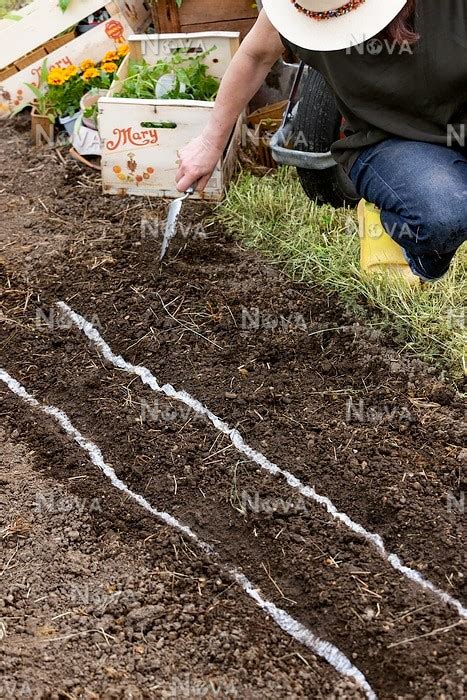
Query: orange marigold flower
[(90, 73), (123, 49), (56, 76), (109, 67), (56, 70), (87, 63), (70, 71), (56, 79), (110, 56)]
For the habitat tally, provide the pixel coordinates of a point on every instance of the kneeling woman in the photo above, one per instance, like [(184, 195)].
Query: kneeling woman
[(398, 69)]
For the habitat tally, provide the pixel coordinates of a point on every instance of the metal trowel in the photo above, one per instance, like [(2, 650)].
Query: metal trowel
[(172, 218)]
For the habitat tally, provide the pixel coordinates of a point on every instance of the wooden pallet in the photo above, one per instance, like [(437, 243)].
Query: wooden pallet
[(207, 15)]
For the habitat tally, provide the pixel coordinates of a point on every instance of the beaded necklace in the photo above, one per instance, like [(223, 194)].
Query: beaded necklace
[(328, 14)]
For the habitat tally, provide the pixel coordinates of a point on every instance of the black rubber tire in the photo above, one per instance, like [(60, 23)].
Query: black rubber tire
[(317, 127)]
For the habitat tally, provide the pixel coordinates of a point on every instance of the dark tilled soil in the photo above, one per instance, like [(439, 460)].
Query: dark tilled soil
[(344, 409)]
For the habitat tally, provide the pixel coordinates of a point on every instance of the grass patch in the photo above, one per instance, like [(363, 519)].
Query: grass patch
[(321, 244)]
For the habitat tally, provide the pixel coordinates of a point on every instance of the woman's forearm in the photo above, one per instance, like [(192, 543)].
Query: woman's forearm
[(241, 82), (248, 69)]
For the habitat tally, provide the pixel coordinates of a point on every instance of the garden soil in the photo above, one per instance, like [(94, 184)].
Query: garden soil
[(99, 599)]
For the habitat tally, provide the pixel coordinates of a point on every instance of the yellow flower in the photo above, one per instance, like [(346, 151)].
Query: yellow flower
[(55, 80), (70, 71), (109, 67), (110, 56), (123, 49), (90, 73), (56, 77), (87, 63), (56, 71)]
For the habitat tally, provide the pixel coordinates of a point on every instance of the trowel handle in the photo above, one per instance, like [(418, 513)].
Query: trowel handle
[(191, 190)]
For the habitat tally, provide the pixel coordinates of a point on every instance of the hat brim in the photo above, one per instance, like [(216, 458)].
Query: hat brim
[(332, 34)]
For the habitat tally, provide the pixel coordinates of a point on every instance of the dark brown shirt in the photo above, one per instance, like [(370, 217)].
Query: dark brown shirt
[(416, 92)]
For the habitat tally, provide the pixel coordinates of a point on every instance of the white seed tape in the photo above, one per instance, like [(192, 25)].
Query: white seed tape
[(238, 442), (93, 451), (288, 624)]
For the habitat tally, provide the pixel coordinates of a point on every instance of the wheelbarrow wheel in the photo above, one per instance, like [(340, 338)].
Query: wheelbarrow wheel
[(317, 127)]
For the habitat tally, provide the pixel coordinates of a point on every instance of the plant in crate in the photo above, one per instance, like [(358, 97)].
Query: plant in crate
[(180, 77), (43, 113), (67, 86), (99, 78)]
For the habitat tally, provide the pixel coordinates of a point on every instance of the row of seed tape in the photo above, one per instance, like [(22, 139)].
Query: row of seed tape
[(288, 624), (238, 442)]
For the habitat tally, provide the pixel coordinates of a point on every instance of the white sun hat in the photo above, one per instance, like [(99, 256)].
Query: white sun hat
[(330, 25)]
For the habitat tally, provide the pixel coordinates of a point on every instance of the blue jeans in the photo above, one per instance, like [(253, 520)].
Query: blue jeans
[(421, 189)]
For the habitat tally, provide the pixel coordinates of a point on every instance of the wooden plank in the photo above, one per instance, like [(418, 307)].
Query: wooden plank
[(195, 15), (18, 15), (196, 12), (6, 73), (40, 9), (153, 47), (54, 44), (139, 155), (136, 13), (241, 25), (149, 170), (230, 160), (32, 57), (166, 16)]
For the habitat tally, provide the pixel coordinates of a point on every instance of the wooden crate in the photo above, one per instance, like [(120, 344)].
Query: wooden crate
[(92, 44), (265, 122), (61, 50), (204, 15), (141, 138), (41, 20), (38, 28)]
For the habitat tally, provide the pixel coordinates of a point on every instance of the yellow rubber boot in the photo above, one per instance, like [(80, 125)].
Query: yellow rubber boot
[(378, 252)]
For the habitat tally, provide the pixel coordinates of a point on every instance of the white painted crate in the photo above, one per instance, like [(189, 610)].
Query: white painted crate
[(36, 23), (28, 39), (93, 44), (139, 148)]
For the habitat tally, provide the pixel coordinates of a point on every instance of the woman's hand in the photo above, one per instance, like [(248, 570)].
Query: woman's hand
[(198, 161)]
